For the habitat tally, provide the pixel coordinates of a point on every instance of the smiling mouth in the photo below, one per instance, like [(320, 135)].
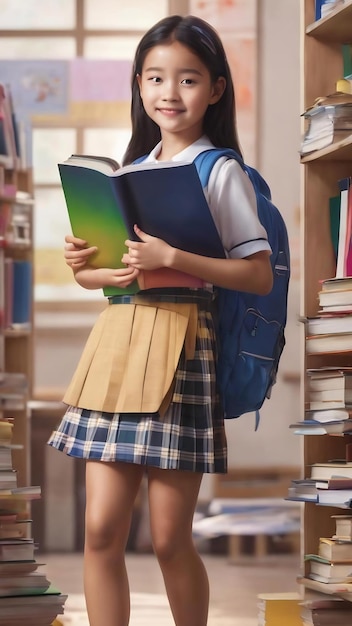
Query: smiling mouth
[(170, 111)]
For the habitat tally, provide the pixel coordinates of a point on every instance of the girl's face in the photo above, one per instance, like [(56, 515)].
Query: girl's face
[(176, 90)]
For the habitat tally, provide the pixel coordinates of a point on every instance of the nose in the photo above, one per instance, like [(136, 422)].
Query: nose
[(170, 91)]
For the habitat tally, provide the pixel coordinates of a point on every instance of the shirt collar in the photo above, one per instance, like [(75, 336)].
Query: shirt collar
[(188, 154)]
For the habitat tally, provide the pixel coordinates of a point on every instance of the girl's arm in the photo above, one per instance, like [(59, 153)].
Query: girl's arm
[(77, 256), (252, 274)]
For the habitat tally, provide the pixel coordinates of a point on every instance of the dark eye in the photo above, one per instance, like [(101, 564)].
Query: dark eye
[(187, 81), (155, 79)]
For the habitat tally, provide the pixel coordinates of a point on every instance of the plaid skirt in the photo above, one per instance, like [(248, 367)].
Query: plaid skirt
[(189, 435)]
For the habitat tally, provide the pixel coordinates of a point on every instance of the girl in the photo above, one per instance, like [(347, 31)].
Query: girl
[(182, 104)]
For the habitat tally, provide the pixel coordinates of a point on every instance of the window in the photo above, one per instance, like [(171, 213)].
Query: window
[(68, 63)]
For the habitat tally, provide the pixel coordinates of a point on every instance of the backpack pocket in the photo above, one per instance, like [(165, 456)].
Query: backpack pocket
[(254, 368)]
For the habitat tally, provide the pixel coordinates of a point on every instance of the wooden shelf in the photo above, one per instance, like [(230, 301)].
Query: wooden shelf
[(14, 247), (17, 333), (321, 170), (7, 199), (17, 342), (335, 27)]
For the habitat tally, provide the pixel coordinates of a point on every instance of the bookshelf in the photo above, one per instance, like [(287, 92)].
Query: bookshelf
[(322, 66), (26, 594), (16, 349)]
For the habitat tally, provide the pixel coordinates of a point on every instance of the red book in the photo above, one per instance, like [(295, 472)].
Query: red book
[(348, 266), (166, 277)]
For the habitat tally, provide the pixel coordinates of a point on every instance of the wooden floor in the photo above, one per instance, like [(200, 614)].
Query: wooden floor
[(234, 587)]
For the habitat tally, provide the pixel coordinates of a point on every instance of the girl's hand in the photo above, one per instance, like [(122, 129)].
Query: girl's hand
[(97, 278), (77, 256), (76, 252), (148, 254)]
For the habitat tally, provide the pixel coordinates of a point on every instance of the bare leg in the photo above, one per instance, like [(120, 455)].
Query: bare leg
[(172, 500), (111, 491)]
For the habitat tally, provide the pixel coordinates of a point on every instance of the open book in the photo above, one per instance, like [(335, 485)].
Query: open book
[(164, 199)]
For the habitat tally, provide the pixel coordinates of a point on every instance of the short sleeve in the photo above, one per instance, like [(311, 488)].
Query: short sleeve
[(233, 204)]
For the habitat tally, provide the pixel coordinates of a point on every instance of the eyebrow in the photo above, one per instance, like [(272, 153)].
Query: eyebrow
[(184, 70)]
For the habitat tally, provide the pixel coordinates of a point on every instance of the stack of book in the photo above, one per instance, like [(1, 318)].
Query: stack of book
[(329, 484), (329, 388), (331, 330), (26, 595), (334, 494), (329, 488), (322, 611), (327, 121), (332, 482), (334, 569), (329, 402), (330, 572)]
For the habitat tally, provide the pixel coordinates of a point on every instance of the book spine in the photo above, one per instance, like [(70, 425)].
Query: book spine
[(347, 60), (345, 224), (22, 292), (165, 277)]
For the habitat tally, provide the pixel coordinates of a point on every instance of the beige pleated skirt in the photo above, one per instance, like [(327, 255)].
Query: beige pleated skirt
[(145, 391), (129, 362)]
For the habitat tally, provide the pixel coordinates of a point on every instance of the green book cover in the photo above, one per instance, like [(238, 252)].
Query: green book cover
[(92, 211), (30, 591), (334, 207), (347, 60)]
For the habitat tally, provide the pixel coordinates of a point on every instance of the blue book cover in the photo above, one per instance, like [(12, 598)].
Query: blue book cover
[(334, 209), (22, 292), (319, 11)]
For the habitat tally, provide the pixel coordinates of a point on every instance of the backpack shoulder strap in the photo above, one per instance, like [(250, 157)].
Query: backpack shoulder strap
[(206, 160), (140, 159)]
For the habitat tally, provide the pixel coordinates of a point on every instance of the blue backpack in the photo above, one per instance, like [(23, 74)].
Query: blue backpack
[(250, 327)]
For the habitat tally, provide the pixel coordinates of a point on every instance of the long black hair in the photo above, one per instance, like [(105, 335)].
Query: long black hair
[(203, 40)]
